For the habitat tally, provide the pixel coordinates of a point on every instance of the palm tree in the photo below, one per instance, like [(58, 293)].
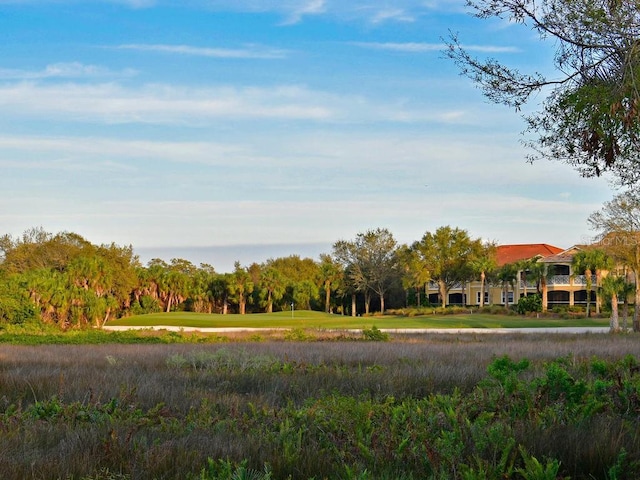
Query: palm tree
[(483, 264), (539, 271), (240, 286), (331, 275), (612, 287), (219, 291), (414, 274), (272, 283), (507, 276), (591, 261)]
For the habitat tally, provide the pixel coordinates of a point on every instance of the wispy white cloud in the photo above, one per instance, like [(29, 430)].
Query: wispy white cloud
[(417, 47), (490, 49), (110, 102), (165, 104), (308, 7), (65, 70), (410, 47), (91, 148), (250, 52), (395, 14)]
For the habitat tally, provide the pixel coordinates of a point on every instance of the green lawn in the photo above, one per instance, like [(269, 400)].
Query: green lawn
[(309, 319)]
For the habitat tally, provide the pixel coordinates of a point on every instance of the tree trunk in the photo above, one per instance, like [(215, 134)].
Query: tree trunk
[(625, 308), (636, 309), (353, 305), (106, 317), (269, 302), (327, 298), (382, 304), (367, 302), (614, 324), (598, 284), (443, 293), (587, 274), (545, 296), (241, 304), (483, 278)]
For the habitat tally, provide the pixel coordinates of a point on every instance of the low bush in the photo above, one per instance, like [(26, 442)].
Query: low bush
[(374, 334), (495, 310), (528, 304)]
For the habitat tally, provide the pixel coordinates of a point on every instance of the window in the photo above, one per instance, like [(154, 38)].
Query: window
[(509, 297), (486, 297)]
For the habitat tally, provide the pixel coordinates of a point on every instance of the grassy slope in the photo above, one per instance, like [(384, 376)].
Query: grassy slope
[(309, 319)]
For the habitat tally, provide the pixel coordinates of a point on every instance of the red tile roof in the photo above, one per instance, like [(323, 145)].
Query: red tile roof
[(513, 253)]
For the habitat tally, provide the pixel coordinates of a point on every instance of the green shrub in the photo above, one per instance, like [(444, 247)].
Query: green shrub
[(535, 470), (227, 470), (298, 335), (530, 303), (147, 304), (374, 334)]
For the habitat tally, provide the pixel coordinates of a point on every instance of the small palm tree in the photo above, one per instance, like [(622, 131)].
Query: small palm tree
[(482, 265), (538, 272), (612, 287), (591, 262), (507, 276)]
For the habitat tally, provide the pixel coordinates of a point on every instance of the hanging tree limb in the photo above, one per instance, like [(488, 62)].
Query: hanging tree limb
[(590, 118)]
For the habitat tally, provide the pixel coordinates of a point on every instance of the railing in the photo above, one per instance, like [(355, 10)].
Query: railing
[(559, 280), (568, 280), (528, 284), (582, 280), (455, 286)]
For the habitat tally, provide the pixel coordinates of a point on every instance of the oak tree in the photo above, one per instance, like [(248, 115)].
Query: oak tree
[(448, 255), (370, 262), (589, 118)]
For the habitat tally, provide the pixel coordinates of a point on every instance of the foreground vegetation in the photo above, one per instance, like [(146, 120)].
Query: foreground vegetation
[(428, 407)]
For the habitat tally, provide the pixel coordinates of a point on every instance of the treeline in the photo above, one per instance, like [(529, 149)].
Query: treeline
[(64, 280)]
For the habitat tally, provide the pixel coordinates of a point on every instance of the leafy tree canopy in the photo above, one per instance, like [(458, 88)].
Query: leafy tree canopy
[(619, 225), (590, 117)]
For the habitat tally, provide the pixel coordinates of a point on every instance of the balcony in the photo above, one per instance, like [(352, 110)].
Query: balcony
[(577, 280), (582, 280), (559, 280)]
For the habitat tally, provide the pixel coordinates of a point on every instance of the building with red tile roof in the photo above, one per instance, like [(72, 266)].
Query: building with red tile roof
[(562, 286), (514, 253)]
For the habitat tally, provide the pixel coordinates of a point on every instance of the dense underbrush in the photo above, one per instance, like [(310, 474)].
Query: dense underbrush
[(416, 407)]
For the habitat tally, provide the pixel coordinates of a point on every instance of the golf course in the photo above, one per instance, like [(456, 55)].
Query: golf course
[(307, 319)]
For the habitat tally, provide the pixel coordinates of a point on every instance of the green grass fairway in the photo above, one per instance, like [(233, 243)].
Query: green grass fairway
[(309, 319)]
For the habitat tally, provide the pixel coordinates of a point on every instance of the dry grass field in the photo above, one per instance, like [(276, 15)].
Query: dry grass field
[(322, 409)]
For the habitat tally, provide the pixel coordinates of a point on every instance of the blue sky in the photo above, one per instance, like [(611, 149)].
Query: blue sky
[(227, 130)]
